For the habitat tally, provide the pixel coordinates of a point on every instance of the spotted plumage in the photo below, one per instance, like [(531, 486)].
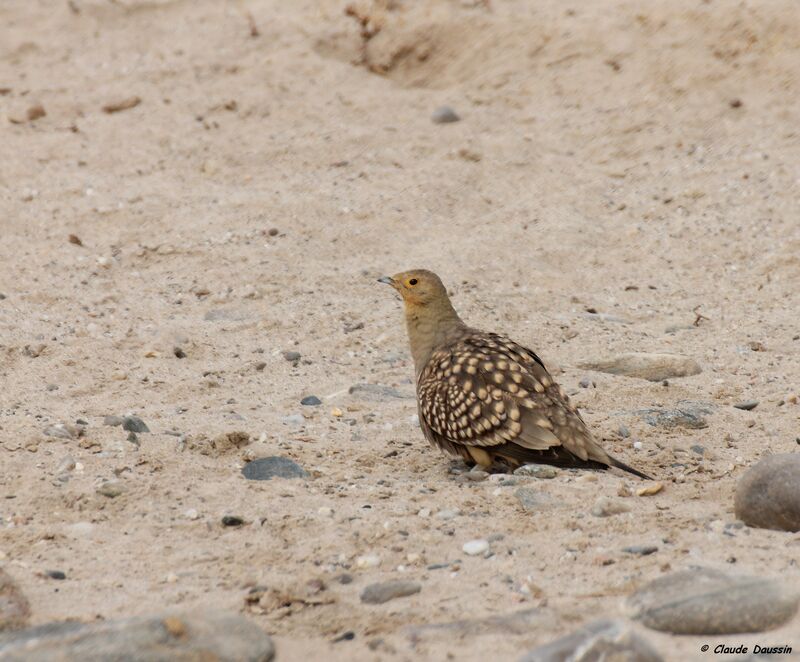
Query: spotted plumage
[(483, 397)]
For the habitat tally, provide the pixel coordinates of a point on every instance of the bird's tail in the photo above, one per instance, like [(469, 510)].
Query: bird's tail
[(621, 465)]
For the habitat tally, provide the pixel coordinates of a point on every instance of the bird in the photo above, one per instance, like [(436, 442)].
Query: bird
[(485, 398)]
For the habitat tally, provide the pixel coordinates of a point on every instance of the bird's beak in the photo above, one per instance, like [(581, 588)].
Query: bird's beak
[(387, 279)]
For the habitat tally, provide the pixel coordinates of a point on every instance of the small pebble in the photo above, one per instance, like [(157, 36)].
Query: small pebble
[(605, 507), (475, 547), (376, 594), (292, 356), (641, 550), (111, 489), (134, 424), (311, 400), (55, 574), (232, 520), (537, 471), (267, 468), (444, 115), (368, 561), (179, 353), (191, 514), (747, 405)]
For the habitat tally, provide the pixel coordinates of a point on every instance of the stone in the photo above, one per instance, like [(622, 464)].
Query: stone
[(189, 637), (14, 608), (747, 405), (599, 640), (653, 367), (311, 401), (292, 356), (376, 594), (686, 414), (232, 520), (56, 574), (768, 494), (379, 392), (537, 471), (267, 468), (444, 115), (605, 507), (134, 424), (703, 601), (641, 550), (475, 547), (111, 489)]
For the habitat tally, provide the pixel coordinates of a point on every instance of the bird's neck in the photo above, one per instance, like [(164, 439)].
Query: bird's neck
[(429, 328)]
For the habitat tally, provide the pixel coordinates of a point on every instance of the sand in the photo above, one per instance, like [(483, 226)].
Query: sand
[(637, 160)]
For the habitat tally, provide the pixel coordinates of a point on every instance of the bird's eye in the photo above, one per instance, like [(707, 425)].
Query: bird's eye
[(413, 281)]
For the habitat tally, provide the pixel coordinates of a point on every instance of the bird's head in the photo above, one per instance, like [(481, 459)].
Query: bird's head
[(418, 287)]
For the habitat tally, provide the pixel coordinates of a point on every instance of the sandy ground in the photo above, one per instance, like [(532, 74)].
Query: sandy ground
[(638, 159)]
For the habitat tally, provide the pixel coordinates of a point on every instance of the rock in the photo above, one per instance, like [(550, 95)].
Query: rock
[(311, 401), (706, 601), (520, 622), (190, 637), (113, 420), (232, 520), (747, 405), (111, 489), (537, 471), (599, 640), (292, 356), (178, 352), (768, 494), (56, 574), (641, 550), (531, 500), (475, 547), (653, 367), (605, 507), (219, 445), (119, 105), (368, 561), (379, 392), (376, 594), (444, 115), (14, 608), (687, 414), (294, 419), (266, 468), (134, 424), (63, 431)]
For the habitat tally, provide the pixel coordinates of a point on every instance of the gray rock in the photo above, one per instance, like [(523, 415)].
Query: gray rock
[(291, 356), (768, 495), (379, 392), (311, 401), (537, 471), (605, 507), (14, 608), (706, 601), (641, 550), (134, 424), (193, 637), (266, 468), (111, 489), (520, 622), (533, 501), (653, 367), (376, 594), (444, 115), (113, 421), (687, 414), (595, 642), (747, 405)]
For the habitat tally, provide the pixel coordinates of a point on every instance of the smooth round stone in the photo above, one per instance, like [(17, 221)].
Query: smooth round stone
[(475, 547), (705, 601), (768, 495), (376, 594), (445, 115), (266, 468), (311, 401)]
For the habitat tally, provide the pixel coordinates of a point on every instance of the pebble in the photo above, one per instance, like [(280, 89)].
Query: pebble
[(14, 607), (191, 514), (537, 471), (292, 356), (55, 574), (444, 115), (475, 547), (747, 405), (113, 420), (654, 367), (232, 520), (599, 640), (311, 401), (585, 383), (368, 561), (690, 415), (703, 601), (62, 431), (768, 494), (195, 635), (294, 419), (266, 468), (641, 550), (376, 594), (134, 424), (111, 489), (605, 507)]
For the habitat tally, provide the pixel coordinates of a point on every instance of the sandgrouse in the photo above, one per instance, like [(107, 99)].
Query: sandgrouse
[(483, 397)]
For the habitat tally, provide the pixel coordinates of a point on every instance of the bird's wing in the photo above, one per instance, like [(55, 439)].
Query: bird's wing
[(487, 390)]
